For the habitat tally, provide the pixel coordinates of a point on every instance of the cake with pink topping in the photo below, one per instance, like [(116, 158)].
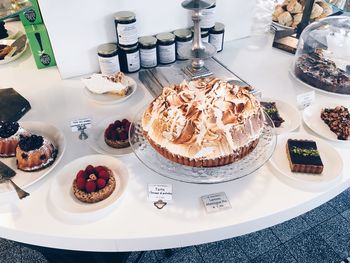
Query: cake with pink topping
[(204, 123)]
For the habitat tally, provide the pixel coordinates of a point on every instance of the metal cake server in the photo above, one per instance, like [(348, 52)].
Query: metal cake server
[(5, 176)]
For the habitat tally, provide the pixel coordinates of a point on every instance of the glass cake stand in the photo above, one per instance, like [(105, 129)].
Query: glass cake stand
[(203, 175)]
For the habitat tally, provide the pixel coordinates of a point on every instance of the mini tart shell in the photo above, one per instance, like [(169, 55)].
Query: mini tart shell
[(97, 196), (117, 143), (242, 152)]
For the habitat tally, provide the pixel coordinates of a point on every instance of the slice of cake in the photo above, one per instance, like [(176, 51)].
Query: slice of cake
[(304, 157), (338, 120), (271, 109)]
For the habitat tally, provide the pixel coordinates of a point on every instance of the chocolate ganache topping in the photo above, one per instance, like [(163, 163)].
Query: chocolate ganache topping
[(7, 129)]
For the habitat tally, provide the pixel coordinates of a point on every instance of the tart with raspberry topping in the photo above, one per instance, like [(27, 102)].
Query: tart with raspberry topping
[(117, 134), (94, 184)]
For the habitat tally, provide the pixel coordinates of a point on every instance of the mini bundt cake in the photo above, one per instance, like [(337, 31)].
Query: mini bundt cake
[(34, 152), (9, 137)]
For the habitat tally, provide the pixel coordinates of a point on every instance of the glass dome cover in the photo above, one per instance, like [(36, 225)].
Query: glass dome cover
[(322, 59)]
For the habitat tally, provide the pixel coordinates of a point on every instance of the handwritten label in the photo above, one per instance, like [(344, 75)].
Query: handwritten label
[(305, 99), (158, 192), (216, 202), (79, 124)]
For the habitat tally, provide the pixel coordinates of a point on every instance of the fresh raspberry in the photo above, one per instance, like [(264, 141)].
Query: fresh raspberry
[(117, 124), (90, 186), (101, 183), (89, 169), (114, 135), (123, 135), (111, 126), (104, 175), (127, 127), (80, 183), (100, 168), (81, 174), (108, 132)]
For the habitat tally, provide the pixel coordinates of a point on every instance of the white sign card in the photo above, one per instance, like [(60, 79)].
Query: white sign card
[(163, 192), (305, 99), (80, 124), (216, 202)]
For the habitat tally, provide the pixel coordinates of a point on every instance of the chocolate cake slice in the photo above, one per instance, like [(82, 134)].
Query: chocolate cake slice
[(271, 110), (304, 157)]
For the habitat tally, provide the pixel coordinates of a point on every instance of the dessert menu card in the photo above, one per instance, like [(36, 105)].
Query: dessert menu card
[(12, 105)]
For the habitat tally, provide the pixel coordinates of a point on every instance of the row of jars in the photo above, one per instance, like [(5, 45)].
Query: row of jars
[(133, 52)]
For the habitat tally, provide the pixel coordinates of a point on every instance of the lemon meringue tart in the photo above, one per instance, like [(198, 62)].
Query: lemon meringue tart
[(204, 123)]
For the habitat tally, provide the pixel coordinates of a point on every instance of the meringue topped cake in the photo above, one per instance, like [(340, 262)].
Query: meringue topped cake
[(203, 123)]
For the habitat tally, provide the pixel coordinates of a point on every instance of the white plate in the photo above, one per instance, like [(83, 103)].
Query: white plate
[(289, 113), (291, 71), (25, 179), (110, 98), (97, 142), (332, 161), (63, 199), (312, 118), (12, 58)]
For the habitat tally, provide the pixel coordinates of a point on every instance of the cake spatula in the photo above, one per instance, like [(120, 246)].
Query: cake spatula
[(5, 176)]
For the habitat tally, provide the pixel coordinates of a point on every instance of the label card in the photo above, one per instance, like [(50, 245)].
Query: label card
[(305, 99), (79, 124), (163, 192), (216, 202)]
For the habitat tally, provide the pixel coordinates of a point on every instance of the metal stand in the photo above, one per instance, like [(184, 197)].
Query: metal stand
[(82, 135), (199, 51)]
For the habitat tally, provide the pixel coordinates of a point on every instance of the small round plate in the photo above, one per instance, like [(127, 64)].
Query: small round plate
[(331, 159), (63, 199), (97, 142), (312, 118), (25, 179), (108, 99), (289, 113), (8, 59), (291, 71)]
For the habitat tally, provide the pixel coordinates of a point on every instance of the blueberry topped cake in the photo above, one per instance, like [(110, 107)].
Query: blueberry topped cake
[(304, 156), (271, 110), (34, 153), (9, 137), (322, 73), (338, 120), (204, 123)]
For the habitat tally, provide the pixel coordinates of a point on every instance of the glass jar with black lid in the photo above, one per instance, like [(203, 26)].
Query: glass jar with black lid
[(125, 24), (148, 51), (129, 58), (166, 48), (183, 39), (208, 17), (204, 34), (108, 58), (216, 36)]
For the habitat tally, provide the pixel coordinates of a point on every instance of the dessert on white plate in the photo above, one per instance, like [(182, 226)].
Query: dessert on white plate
[(117, 84)]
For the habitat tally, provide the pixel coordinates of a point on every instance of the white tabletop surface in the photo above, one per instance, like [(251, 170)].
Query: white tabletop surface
[(258, 201)]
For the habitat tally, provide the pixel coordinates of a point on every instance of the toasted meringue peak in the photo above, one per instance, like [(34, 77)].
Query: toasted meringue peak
[(205, 118)]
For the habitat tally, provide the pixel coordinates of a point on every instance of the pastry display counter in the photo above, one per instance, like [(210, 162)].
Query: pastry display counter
[(133, 223)]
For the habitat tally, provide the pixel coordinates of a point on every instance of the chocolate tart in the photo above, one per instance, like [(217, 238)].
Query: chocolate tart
[(304, 157)]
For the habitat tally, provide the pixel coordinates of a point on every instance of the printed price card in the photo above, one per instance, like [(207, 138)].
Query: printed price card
[(163, 192), (80, 124), (216, 202), (305, 99)]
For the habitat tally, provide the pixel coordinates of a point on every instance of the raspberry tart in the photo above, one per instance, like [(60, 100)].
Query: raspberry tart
[(10, 133), (94, 184), (117, 134), (34, 152)]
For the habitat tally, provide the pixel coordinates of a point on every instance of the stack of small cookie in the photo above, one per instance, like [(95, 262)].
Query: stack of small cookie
[(290, 12)]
